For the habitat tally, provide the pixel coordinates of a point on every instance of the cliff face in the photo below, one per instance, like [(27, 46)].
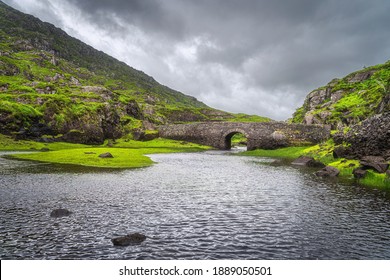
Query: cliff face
[(348, 101), (370, 137), (356, 107)]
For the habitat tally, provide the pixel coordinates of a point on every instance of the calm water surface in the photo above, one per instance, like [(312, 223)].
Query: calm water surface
[(191, 206)]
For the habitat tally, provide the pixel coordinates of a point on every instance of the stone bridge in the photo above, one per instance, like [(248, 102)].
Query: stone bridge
[(267, 135)]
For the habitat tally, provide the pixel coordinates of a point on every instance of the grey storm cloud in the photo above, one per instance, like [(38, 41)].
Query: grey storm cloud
[(254, 56)]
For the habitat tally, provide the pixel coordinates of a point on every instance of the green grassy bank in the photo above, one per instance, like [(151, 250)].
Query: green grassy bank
[(323, 153), (126, 153)]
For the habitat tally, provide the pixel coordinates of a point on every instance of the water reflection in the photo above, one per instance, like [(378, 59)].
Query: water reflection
[(191, 206)]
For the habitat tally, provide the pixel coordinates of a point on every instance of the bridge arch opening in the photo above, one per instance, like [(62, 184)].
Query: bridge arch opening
[(236, 140)]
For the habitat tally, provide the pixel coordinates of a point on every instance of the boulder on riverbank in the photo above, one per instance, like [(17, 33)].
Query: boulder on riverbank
[(374, 162), (58, 213), (328, 171), (359, 173), (307, 161), (130, 239)]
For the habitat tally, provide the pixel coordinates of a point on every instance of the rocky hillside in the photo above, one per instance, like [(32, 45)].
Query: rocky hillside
[(53, 86), (357, 107)]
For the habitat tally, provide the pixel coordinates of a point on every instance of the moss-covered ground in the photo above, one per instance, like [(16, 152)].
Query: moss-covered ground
[(323, 153), (126, 153)]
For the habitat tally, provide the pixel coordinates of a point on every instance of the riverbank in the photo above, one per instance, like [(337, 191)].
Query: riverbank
[(323, 153), (125, 153)]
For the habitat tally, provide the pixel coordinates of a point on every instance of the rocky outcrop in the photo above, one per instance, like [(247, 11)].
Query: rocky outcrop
[(348, 101), (370, 138), (130, 239), (374, 162)]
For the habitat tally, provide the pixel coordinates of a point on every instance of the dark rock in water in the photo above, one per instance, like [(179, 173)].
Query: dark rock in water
[(58, 213), (307, 161), (130, 239), (328, 171), (359, 173), (106, 155), (374, 162)]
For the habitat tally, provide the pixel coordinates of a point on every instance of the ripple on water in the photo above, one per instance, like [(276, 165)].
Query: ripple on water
[(191, 206)]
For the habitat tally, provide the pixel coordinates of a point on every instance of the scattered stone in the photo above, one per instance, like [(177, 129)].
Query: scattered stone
[(388, 173), (374, 162), (359, 173), (328, 171), (58, 213), (106, 155), (130, 239), (89, 153), (44, 149), (351, 165), (307, 161)]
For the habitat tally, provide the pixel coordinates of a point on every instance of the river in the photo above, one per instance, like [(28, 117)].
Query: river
[(210, 205)]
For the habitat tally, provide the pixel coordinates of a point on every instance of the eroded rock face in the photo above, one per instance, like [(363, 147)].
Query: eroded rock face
[(317, 97), (370, 138), (374, 162)]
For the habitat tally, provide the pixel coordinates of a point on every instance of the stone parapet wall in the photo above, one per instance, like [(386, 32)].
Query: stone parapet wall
[(268, 135)]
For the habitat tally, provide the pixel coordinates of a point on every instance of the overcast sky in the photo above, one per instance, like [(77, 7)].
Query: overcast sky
[(252, 56)]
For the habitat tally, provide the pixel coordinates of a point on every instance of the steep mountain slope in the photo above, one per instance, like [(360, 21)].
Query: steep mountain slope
[(357, 107), (56, 86)]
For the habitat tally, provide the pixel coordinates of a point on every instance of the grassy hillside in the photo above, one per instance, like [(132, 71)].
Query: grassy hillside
[(56, 87), (348, 101), (357, 107)]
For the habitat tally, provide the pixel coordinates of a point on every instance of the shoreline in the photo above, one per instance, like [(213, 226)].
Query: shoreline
[(322, 154)]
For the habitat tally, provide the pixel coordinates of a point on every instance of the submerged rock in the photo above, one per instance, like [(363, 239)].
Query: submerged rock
[(328, 171), (130, 239), (106, 155), (307, 161), (58, 213)]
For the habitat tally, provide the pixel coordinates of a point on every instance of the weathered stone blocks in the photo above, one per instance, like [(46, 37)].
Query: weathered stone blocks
[(270, 135)]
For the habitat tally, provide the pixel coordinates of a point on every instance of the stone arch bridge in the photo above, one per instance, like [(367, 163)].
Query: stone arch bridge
[(267, 135)]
